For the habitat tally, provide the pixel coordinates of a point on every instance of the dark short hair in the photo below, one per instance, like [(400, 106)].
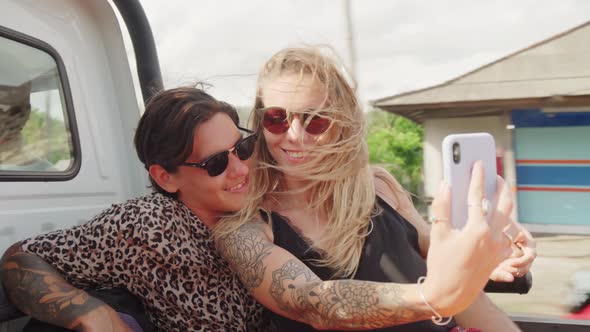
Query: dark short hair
[(166, 130)]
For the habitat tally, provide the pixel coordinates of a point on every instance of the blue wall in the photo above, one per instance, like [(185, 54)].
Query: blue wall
[(552, 167)]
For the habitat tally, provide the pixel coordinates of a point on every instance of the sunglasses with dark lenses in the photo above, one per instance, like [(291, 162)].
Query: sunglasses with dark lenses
[(217, 163), (276, 120)]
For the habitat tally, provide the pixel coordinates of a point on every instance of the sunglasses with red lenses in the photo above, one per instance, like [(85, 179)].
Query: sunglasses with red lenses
[(217, 163), (277, 121)]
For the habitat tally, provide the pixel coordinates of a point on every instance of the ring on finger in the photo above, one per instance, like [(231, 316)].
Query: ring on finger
[(485, 206)]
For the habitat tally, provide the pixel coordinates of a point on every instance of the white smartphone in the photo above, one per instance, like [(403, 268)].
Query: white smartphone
[(460, 152)]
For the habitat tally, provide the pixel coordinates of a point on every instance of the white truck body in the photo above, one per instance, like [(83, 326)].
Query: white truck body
[(87, 38)]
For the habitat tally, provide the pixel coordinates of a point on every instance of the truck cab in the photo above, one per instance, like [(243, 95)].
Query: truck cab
[(68, 109)]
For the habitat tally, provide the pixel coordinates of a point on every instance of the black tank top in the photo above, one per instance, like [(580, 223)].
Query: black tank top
[(391, 254)]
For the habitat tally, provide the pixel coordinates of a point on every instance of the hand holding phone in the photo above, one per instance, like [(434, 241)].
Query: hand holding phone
[(460, 152), (460, 262)]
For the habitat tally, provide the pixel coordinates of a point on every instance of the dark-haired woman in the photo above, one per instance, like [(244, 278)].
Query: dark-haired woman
[(157, 246)]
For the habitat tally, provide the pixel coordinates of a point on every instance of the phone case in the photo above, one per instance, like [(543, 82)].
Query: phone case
[(473, 147)]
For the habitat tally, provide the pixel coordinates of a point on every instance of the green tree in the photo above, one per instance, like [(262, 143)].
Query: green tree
[(395, 143), (47, 138)]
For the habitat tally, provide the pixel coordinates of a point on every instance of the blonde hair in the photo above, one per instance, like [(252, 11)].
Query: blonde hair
[(340, 183)]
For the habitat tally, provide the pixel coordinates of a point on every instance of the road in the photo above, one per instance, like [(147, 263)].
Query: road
[(559, 256)]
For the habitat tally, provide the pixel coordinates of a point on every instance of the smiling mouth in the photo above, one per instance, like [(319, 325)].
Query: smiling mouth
[(240, 187), (295, 155)]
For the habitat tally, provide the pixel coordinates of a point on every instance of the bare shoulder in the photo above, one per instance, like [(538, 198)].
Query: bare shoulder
[(256, 227), (388, 188), (251, 232)]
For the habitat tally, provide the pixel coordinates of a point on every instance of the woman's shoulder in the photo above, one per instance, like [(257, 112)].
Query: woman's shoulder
[(388, 188)]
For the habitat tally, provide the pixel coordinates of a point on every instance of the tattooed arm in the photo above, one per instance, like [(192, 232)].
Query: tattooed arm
[(288, 287), (37, 289)]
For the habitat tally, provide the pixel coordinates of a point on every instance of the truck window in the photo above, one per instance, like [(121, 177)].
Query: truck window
[(35, 135)]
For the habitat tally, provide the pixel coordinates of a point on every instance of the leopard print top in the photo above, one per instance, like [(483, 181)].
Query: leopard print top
[(155, 247)]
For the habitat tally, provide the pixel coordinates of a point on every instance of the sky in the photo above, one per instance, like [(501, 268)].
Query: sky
[(400, 45)]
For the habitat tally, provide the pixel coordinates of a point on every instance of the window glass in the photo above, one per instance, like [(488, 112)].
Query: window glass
[(34, 129)]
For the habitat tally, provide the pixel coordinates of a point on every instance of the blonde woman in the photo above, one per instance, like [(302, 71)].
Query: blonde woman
[(328, 215)]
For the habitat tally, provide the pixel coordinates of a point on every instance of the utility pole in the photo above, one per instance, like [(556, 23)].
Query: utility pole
[(350, 39), (352, 61)]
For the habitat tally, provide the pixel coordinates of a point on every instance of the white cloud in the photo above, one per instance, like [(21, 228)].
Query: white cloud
[(401, 45)]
